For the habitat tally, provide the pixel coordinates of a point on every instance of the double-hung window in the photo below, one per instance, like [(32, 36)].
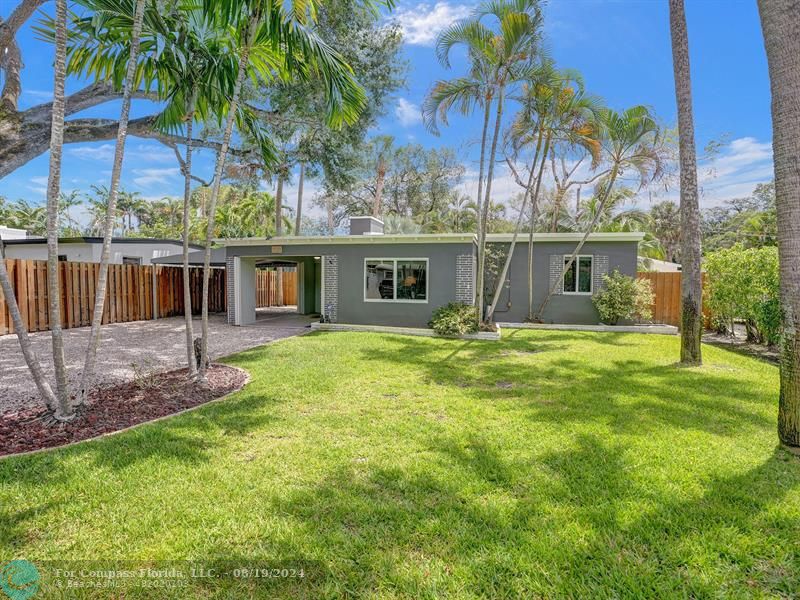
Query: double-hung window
[(396, 280), (578, 278)]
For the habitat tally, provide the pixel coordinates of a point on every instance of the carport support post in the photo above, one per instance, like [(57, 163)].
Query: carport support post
[(155, 293)]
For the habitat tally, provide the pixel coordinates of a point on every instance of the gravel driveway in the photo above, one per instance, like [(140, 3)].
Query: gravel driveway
[(156, 345)]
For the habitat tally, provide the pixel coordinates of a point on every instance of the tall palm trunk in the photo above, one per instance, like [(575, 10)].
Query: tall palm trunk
[(64, 409), (485, 208), (34, 366), (187, 201), (780, 22), (507, 264), (380, 180), (212, 208), (532, 227), (299, 215), (329, 211), (278, 233), (487, 112), (279, 205), (691, 278), (600, 207), (87, 377)]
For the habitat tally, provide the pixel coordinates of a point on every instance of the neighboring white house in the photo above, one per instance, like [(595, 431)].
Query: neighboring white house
[(661, 266), (8, 233), (134, 251)]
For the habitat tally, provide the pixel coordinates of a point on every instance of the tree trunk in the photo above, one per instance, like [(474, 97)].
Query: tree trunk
[(279, 205), (691, 280), (329, 210), (299, 215), (191, 361), (780, 22), (532, 227), (278, 233), (212, 208), (64, 409), (87, 377), (604, 198), (507, 264), (379, 182), (35, 367), (482, 230)]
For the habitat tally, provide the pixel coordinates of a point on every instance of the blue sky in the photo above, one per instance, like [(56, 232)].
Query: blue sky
[(622, 48)]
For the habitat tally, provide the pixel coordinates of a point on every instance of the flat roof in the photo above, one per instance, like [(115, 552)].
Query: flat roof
[(99, 240), (301, 240), (601, 236), (428, 238)]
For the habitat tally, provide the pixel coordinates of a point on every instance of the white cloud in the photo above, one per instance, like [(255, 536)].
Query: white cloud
[(148, 177), (408, 113), (104, 152), (39, 95), (422, 23)]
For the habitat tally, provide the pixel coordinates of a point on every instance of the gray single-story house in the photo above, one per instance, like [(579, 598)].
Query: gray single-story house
[(368, 278)]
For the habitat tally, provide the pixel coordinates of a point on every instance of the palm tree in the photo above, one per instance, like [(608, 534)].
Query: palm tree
[(630, 143), (691, 255), (382, 147), (35, 367), (555, 111), (261, 32), (65, 203), (64, 409), (25, 215), (57, 402), (498, 61), (87, 376), (665, 224), (780, 22)]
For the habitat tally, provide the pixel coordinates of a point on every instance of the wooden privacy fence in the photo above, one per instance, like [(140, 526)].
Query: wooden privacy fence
[(129, 295), (267, 288), (667, 292)]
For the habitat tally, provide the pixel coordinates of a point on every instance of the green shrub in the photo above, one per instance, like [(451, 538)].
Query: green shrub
[(454, 319), (624, 297), (743, 284)]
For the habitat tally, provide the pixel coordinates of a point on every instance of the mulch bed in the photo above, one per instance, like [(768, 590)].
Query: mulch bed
[(117, 407)]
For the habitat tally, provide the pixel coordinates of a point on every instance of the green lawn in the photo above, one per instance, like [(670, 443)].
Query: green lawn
[(552, 464)]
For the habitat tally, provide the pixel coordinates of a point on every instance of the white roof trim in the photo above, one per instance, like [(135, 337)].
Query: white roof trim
[(422, 238), (427, 238), (626, 236)]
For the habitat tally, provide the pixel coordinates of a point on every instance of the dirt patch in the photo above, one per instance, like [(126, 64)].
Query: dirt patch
[(118, 407), (737, 344)]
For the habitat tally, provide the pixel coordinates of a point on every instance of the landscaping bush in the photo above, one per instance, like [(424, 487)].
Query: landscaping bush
[(624, 297), (742, 284), (454, 319)]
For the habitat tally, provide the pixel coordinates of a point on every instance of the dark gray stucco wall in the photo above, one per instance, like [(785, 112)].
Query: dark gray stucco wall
[(442, 263), (513, 303)]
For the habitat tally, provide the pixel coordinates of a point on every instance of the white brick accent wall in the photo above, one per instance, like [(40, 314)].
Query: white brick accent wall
[(556, 273), (465, 278), (230, 289), (600, 268), (330, 300)]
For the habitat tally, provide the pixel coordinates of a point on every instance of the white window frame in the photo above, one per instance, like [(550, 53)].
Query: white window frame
[(394, 299), (577, 275)]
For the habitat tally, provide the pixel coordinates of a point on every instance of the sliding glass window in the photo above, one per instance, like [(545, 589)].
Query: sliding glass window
[(396, 280)]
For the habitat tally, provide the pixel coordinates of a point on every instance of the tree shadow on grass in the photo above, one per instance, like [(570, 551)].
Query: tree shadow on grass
[(631, 396), (564, 529)]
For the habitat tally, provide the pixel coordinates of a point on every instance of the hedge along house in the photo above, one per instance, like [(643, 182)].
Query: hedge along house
[(368, 278)]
